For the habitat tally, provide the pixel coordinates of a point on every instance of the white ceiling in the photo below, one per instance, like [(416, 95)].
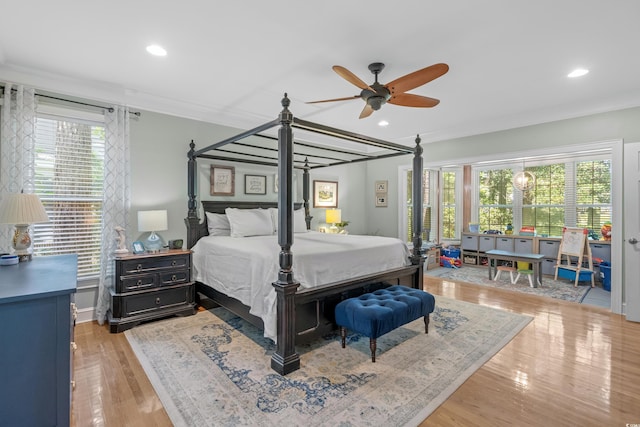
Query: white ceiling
[(231, 62)]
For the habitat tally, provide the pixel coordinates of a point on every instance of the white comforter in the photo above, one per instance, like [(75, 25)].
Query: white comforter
[(244, 268)]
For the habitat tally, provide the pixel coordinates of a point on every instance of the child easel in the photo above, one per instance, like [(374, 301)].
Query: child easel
[(574, 244)]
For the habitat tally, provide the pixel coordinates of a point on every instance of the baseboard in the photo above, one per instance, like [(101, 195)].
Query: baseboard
[(86, 315)]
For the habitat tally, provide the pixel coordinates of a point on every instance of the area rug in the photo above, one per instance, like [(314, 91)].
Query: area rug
[(560, 289), (213, 369)]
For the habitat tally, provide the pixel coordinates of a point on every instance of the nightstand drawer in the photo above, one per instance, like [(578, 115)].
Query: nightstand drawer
[(143, 265), (137, 283), (174, 277), (147, 302)]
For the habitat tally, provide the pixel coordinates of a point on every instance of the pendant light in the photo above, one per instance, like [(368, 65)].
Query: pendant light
[(524, 180)]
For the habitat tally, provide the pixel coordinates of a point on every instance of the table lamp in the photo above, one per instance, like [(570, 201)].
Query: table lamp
[(22, 210), (152, 221), (333, 216)]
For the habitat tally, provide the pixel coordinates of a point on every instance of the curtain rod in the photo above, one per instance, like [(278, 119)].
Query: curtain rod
[(109, 109)]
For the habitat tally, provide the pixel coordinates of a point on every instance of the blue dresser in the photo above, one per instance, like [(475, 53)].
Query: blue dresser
[(36, 333)]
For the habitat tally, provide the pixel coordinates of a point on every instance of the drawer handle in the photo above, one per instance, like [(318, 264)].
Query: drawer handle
[(174, 278), (139, 267), (139, 283), (173, 262), (158, 301)]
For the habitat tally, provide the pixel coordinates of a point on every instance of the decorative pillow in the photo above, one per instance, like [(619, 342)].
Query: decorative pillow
[(249, 222), (218, 224), (299, 223)]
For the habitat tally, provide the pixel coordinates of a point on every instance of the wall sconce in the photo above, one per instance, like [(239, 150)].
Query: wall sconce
[(333, 216), (152, 221), (22, 210)]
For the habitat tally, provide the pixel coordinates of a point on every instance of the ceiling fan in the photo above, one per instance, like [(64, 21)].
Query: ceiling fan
[(377, 94)]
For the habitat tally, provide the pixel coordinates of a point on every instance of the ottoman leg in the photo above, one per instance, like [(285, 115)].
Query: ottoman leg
[(372, 346), (426, 324), (343, 335)]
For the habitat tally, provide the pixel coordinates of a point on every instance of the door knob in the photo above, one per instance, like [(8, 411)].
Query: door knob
[(633, 240)]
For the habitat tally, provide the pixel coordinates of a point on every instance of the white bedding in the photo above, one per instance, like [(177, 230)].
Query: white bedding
[(244, 268)]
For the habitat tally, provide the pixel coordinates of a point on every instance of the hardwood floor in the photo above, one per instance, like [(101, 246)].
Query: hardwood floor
[(572, 365)]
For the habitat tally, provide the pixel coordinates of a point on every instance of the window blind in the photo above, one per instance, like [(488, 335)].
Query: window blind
[(69, 171)]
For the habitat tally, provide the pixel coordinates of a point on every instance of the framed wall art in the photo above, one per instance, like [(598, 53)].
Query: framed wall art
[(255, 184), (223, 180), (325, 194), (381, 200), (381, 186)]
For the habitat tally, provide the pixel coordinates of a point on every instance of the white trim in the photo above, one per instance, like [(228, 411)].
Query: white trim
[(617, 264)]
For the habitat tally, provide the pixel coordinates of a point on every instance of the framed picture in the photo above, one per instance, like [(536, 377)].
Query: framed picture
[(138, 247), (381, 186), (381, 200), (255, 184), (223, 180), (325, 194)]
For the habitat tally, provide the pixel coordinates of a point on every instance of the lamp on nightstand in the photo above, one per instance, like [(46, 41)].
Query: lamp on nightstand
[(22, 210), (333, 216), (152, 221)]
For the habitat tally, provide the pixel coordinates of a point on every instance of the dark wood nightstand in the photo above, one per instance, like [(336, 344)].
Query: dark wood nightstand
[(151, 286)]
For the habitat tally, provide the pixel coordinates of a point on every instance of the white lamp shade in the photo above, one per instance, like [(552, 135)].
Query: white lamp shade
[(333, 216), (21, 208), (152, 220)]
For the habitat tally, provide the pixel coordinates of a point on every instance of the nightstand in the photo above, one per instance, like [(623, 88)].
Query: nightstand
[(151, 286)]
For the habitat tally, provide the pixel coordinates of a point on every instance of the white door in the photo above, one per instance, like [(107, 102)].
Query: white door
[(631, 233)]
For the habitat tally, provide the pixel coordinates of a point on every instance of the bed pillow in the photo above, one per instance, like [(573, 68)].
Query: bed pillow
[(218, 224), (299, 223), (249, 222)]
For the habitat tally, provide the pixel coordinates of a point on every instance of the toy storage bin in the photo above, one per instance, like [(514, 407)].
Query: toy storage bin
[(605, 274), (451, 252)]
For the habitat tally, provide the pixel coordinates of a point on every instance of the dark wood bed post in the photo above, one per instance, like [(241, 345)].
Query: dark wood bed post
[(305, 193), (417, 257), (192, 219), (285, 359)]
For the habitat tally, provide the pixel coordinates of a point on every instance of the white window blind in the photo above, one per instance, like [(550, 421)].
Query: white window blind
[(69, 175)]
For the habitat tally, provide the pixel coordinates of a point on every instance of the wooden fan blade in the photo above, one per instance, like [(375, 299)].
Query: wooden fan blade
[(410, 100), (350, 77), (335, 99), (417, 78), (366, 112)]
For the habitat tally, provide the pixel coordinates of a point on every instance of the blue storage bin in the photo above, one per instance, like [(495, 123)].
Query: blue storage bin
[(605, 275), (585, 275), (451, 252)]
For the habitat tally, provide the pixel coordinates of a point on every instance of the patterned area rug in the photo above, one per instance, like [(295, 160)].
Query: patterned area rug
[(560, 289), (213, 369)]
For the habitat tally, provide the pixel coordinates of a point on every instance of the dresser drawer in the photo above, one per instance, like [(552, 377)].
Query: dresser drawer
[(148, 302), (142, 265)]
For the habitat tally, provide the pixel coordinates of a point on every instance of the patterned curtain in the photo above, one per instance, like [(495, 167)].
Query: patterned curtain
[(17, 153), (116, 200)]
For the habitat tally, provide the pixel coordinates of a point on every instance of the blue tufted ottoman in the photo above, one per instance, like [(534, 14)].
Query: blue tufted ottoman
[(376, 313)]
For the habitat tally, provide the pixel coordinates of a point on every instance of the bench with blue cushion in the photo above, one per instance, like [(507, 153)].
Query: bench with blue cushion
[(376, 313)]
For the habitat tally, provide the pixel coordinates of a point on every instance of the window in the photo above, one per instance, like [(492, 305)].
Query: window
[(69, 181), (451, 199), (427, 220), (571, 193)]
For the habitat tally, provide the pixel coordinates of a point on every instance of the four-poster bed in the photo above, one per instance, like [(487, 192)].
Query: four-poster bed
[(299, 310)]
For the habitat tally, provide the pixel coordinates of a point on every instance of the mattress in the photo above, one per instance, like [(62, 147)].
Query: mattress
[(245, 268)]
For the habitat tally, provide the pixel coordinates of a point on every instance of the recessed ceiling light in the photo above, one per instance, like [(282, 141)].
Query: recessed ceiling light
[(383, 123), (578, 72), (156, 50)]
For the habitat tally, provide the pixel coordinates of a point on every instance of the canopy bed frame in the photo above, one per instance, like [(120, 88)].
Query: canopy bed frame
[(293, 304)]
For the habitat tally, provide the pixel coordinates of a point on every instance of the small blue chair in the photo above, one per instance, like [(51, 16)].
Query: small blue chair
[(376, 313)]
